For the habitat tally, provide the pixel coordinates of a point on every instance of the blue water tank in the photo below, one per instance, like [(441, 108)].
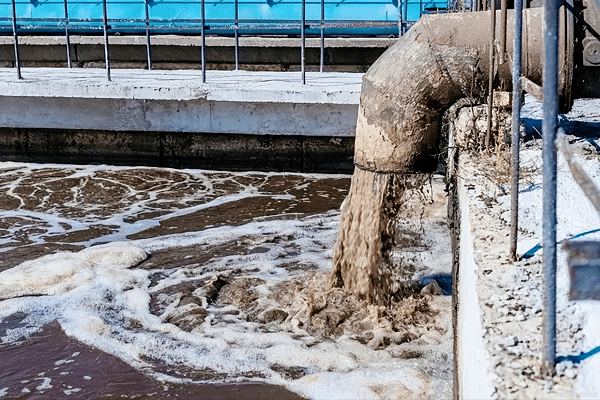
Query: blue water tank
[(175, 16)]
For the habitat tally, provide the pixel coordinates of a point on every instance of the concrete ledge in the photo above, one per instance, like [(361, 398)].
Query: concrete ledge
[(235, 121), (177, 101), (183, 52), (230, 86), (211, 41), (474, 370)]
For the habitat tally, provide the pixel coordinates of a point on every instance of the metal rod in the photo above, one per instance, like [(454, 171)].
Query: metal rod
[(203, 50), (67, 37), (549, 126), (16, 39), (105, 28), (399, 18), (148, 49), (237, 36), (420, 8), (405, 28), (516, 138), (321, 67), (303, 44), (492, 72), (503, 12)]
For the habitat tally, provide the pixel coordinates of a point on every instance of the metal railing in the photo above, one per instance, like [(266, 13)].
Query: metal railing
[(407, 13), (583, 257)]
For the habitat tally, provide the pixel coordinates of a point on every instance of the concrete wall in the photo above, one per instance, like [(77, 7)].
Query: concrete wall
[(120, 114), (235, 121), (474, 369), (179, 150), (183, 52)]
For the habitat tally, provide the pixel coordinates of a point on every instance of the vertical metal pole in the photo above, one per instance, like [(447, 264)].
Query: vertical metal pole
[(67, 37), (322, 36), (503, 12), (516, 139), (492, 72), (399, 18), (420, 8), (148, 50), (237, 37), (105, 27), (16, 37), (303, 44), (405, 29), (549, 126), (203, 50)]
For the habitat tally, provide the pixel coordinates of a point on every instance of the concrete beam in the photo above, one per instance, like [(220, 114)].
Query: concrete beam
[(177, 101), (237, 120), (183, 52)]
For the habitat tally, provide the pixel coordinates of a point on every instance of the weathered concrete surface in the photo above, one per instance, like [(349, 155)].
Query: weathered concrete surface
[(441, 61), (179, 52), (179, 150), (235, 121), (177, 101)]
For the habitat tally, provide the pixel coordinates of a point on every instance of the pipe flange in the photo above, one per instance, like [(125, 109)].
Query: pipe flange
[(591, 52)]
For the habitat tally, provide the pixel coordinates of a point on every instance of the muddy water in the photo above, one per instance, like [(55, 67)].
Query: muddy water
[(368, 233), (234, 288)]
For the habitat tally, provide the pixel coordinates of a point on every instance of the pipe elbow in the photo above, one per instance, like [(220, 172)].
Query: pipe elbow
[(406, 91)]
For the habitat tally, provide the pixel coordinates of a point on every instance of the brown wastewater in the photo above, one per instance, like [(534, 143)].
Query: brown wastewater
[(131, 281), (136, 281)]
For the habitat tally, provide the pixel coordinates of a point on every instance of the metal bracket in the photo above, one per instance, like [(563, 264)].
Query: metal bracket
[(583, 259)]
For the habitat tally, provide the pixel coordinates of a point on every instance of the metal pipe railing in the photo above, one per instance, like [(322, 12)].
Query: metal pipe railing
[(322, 58), (16, 39), (105, 28), (405, 27), (503, 17), (203, 33), (148, 25), (67, 38), (516, 138), (148, 49), (549, 127), (492, 72), (236, 34), (303, 40)]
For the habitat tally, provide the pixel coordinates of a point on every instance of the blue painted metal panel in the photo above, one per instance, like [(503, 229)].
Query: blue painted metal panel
[(264, 16)]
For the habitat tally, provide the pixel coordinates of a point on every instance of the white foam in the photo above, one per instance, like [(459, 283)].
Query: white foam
[(99, 300), (58, 273)]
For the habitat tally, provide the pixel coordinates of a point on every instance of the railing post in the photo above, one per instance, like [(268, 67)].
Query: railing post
[(503, 17), (516, 138), (303, 44), (203, 50), (67, 38), (16, 39), (148, 49), (399, 18), (105, 28), (237, 36), (322, 64), (492, 71), (405, 28), (549, 127)]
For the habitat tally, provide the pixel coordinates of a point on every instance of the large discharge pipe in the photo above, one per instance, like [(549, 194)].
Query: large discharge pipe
[(442, 58)]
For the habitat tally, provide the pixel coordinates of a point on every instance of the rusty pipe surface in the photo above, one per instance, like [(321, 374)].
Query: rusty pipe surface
[(441, 59)]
